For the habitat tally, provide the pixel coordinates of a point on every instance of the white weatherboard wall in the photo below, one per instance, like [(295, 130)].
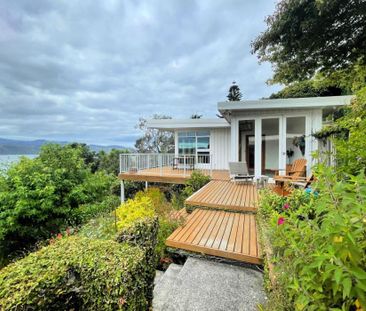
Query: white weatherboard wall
[(220, 148)]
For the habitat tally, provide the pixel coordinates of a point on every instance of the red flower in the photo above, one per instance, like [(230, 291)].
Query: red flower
[(281, 221), (286, 206), (59, 236)]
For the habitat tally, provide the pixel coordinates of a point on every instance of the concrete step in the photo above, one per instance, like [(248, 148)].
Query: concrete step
[(208, 285), (164, 284)]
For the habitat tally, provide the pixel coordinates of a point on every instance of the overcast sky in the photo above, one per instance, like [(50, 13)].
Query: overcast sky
[(87, 70)]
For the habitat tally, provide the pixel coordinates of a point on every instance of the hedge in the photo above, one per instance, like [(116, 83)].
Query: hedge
[(82, 273), (77, 273), (143, 234)]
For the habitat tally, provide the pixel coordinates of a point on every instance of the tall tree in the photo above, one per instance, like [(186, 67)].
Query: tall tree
[(234, 93), (154, 140), (305, 37)]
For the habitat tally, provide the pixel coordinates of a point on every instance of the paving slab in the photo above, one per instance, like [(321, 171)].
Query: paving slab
[(208, 285)]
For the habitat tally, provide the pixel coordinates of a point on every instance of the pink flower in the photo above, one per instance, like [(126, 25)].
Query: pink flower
[(281, 221), (59, 236), (286, 206)]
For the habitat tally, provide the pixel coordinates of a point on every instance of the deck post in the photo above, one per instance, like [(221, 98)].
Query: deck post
[(122, 192), (184, 165), (146, 185)]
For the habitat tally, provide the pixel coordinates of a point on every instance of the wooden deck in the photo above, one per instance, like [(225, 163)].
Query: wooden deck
[(167, 174), (227, 195), (224, 234)]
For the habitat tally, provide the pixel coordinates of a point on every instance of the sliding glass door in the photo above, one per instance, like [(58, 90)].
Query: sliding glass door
[(270, 146)]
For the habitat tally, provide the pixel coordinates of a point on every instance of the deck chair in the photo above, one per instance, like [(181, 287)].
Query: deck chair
[(295, 173), (239, 172), (303, 183)]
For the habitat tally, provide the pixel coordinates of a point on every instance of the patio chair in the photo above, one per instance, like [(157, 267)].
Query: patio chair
[(297, 172), (239, 172), (303, 182)]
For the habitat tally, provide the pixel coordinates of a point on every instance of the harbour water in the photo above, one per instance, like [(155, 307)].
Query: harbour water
[(7, 159)]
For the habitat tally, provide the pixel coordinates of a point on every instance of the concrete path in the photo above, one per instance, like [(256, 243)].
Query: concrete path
[(207, 285)]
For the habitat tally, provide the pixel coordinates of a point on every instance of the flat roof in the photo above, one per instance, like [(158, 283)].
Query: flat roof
[(285, 103), (174, 124)]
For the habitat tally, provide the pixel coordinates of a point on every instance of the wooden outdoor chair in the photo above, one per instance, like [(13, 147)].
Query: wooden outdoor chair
[(303, 183), (297, 172)]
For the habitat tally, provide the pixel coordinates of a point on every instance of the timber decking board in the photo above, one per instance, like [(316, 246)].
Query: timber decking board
[(227, 195), (167, 174), (219, 233)]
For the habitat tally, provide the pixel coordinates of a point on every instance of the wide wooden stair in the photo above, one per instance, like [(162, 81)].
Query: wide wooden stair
[(223, 225)]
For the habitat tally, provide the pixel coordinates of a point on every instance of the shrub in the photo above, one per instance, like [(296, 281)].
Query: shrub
[(163, 209), (143, 233), (196, 181), (44, 195), (76, 273), (319, 243), (133, 210)]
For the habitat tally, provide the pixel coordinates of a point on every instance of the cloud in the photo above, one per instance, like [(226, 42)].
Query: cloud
[(88, 70)]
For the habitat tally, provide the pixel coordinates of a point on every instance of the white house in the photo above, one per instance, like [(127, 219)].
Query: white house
[(267, 134)]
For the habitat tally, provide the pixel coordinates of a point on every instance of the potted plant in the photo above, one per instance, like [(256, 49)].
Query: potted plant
[(299, 142)]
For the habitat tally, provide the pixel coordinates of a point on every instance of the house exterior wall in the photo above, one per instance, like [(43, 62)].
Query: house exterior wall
[(219, 146), (313, 122)]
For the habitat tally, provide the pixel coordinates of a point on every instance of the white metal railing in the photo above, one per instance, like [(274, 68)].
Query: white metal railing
[(165, 163)]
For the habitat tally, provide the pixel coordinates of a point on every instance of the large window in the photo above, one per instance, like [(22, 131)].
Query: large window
[(195, 143)]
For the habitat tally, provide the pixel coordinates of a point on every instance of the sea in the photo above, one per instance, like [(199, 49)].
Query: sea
[(7, 159)]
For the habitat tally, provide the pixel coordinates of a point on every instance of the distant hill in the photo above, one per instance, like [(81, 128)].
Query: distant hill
[(12, 146)]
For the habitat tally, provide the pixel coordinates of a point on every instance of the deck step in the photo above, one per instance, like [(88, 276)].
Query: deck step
[(208, 285), (226, 195), (230, 235)]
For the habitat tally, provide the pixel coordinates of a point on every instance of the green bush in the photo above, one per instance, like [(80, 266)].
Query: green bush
[(44, 195), (143, 233), (196, 181), (319, 245), (163, 209), (77, 274)]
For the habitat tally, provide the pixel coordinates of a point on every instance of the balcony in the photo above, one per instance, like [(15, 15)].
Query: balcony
[(167, 167)]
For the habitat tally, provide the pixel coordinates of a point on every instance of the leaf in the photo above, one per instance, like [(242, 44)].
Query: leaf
[(338, 275), (347, 286)]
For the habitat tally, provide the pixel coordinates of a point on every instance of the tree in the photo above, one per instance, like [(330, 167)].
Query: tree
[(109, 162), (234, 93), (196, 116), (309, 88), (154, 140), (89, 156), (305, 37)]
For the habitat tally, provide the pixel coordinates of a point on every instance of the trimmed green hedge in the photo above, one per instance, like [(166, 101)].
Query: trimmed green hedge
[(77, 273), (83, 273), (143, 233)]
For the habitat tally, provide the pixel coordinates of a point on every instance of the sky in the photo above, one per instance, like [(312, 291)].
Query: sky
[(88, 70)]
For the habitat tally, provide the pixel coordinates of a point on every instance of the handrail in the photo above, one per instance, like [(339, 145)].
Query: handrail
[(165, 163)]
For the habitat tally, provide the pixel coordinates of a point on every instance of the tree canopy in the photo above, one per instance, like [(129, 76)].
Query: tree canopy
[(306, 37), (154, 140), (234, 93)]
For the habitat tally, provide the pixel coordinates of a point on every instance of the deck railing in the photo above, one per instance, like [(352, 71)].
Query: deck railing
[(165, 163)]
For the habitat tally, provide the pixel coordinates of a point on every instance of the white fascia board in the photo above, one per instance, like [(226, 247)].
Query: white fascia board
[(286, 103), (175, 124)]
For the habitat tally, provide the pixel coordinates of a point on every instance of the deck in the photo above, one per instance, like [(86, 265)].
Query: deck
[(224, 234), (227, 195), (167, 174)]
